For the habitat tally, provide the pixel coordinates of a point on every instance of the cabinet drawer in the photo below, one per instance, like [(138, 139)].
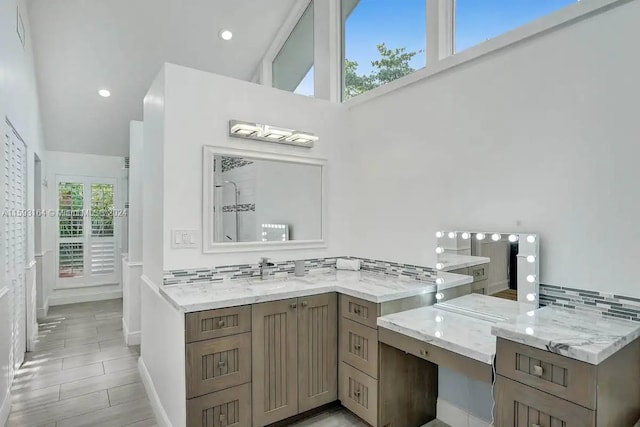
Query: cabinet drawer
[(359, 393), (214, 365), (205, 325), (560, 376), (358, 310), (359, 347), (523, 406), (228, 408), (479, 272)]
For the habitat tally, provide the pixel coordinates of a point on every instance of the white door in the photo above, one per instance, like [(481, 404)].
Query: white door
[(87, 249), (15, 241)]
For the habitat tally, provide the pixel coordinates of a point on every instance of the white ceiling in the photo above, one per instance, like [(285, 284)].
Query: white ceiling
[(85, 45)]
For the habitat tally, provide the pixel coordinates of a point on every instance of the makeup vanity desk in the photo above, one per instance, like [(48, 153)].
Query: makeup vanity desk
[(555, 366)]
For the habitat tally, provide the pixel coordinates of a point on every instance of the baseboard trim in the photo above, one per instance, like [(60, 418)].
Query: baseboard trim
[(503, 285), (54, 300), (43, 311), (454, 416), (5, 409), (161, 416), (131, 338)]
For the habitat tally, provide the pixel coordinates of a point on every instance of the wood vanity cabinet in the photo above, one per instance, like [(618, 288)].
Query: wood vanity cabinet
[(480, 279), (380, 384), (218, 367), (539, 388), (294, 356)]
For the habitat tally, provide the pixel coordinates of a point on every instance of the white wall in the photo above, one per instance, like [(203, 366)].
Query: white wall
[(83, 165), (18, 102), (197, 109), (558, 113)]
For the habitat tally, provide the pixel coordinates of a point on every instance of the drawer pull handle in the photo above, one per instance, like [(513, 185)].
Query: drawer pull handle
[(221, 364), (293, 305), (357, 311), (221, 323), (223, 418), (423, 352), (357, 346), (538, 371), (305, 303), (357, 393)]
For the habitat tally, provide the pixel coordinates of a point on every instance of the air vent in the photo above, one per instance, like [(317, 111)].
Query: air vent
[(126, 162)]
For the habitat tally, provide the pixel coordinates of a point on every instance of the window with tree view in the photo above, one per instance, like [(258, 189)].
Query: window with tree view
[(383, 40)]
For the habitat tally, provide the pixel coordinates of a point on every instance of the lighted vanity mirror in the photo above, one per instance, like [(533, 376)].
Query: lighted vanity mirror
[(255, 201), (503, 265)]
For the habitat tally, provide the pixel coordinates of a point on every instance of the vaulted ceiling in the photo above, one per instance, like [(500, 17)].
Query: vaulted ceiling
[(82, 46)]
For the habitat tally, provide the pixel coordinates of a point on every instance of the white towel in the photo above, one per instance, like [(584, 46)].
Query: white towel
[(348, 264)]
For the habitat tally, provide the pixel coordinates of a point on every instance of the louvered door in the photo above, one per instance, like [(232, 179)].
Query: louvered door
[(87, 232), (15, 239)]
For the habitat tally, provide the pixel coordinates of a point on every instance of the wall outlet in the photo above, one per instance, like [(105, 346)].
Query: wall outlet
[(181, 239)]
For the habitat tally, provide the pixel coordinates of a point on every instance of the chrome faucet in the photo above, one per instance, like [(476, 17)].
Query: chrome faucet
[(264, 272)]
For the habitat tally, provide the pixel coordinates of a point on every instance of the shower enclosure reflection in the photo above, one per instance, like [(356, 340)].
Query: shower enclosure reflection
[(263, 200)]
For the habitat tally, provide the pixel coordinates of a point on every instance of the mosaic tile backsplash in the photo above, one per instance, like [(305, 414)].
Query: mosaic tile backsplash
[(218, 274), (610, 305)]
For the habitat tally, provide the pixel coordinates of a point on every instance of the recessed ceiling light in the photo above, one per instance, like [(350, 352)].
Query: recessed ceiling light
[(226, 35), (104, 93)]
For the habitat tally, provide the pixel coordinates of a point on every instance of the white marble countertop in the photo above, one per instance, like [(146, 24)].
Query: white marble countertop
[(577, 334), (455, 261), (453, 280), (372, 287), (458, 333), (485, 307)]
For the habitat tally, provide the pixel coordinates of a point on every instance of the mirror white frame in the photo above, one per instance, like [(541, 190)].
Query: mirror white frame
[(528, 259), (211, 246)]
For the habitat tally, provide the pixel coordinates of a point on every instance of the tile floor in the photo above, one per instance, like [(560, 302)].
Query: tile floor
[(81, 373)]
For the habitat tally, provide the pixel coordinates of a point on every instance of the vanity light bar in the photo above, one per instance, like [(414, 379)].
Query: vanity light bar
[(256, 131)]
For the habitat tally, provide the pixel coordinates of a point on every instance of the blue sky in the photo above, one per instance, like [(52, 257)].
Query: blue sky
[(402, 23)]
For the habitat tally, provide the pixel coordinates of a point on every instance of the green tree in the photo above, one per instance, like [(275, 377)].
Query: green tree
[(392, 64)]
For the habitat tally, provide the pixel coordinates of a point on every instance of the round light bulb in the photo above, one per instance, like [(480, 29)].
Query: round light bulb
[(529, 331), (452, 235), (226, 35), (531, 259), (531, 297), (531, 238), (439, 296), (439, 281), (495, 237), (513, 238), (439, 266), (531, 313), (465, 235), (480, 236), (438, 334), (439, 250), (439, 234), (104, 93), (438, 319), (531, 278)]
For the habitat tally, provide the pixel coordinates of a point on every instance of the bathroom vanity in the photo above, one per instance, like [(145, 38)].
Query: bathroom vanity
[(562, 367), (258, 352)]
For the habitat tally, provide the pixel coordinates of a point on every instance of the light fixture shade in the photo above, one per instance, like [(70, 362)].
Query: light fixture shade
[(244, 129), (275, 133), (302, 137)]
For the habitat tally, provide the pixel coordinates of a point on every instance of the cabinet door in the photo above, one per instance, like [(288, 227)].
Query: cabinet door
[(214, 365), (227, 408), (317, 350), (275, 361), (519, 405)]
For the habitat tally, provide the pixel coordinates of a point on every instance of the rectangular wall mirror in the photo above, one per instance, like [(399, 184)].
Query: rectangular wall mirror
[(504, 265), (255, 201)]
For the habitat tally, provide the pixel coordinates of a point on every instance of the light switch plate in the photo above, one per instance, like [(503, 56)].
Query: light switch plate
[(182, 239)]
